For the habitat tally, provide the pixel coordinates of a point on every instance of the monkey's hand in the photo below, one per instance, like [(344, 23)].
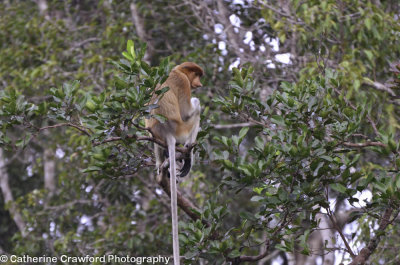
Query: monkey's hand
[(195, 105)]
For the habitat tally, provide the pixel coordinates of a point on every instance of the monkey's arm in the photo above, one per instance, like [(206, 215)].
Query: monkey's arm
[(193, 111)]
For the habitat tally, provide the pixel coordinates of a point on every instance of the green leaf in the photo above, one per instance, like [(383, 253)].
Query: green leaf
[(162, 90), (398, 181), (327, 158), (228, 164), (235, 253), (120, 84), (277, 119), (281, 247), (243, 133), (23, 142), (191, 254), (127, 56), (237, 77), (91, 169), (368, 23), (338, 187), (160, 118), (259, 143), (142, 51), (145, 67), (256, 198), (369, 54), (91, 105), (130, 47)]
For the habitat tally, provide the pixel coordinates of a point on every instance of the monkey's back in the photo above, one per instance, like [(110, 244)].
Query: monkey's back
[(171, 105)]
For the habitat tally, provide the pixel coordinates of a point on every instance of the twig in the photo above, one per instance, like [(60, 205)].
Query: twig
[(183, 150), (359, 135), (354, 108), (132, 136), (65, 124), (282, 13), (264, 253), (8, 197), (234, 125), (79, 44), (365, 144), (339, 230), (381, 87), (336, 226)]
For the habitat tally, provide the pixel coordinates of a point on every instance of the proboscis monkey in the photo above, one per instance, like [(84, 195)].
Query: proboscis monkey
[(182, 113)]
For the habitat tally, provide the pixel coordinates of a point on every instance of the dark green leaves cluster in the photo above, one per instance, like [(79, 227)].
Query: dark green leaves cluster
[(297, 156)]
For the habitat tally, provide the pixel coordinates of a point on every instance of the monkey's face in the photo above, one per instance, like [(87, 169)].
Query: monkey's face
[(194, 80), (193, 72)]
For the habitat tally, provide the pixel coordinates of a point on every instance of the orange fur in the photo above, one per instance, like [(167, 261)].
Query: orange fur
[(175, 104)]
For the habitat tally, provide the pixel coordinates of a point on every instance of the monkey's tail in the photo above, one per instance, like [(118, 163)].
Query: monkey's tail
[(174, 202)]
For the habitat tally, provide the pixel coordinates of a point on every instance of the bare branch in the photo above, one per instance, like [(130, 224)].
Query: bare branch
[(183, 150), (365, 144), (381, 87), (64, 125), (8, 197), (289, 17), (132, 136), (234, 125), (339, 230), (186, 205), (49, 170), (79, 44), (141, 32)]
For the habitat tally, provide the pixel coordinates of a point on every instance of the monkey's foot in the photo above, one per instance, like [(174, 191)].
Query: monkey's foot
[(185, 169)]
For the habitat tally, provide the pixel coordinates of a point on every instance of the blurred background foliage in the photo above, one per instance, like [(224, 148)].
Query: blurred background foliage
[(298, 157)]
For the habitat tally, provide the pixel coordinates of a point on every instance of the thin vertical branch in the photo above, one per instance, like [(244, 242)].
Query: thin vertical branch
[(8, 197)]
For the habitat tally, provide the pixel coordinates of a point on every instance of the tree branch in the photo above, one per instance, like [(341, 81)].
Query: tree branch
[(141, 32), (186, 205), (365, 144), (8, 197), (234, 125), (381, 87), (183, 150), (66, 124), (366, 252), (339, 230)]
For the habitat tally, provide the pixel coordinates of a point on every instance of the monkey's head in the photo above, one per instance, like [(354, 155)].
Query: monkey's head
[(193, 71)]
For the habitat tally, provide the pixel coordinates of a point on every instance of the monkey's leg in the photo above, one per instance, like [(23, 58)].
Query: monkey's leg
[(188, 162), (159, 153)]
